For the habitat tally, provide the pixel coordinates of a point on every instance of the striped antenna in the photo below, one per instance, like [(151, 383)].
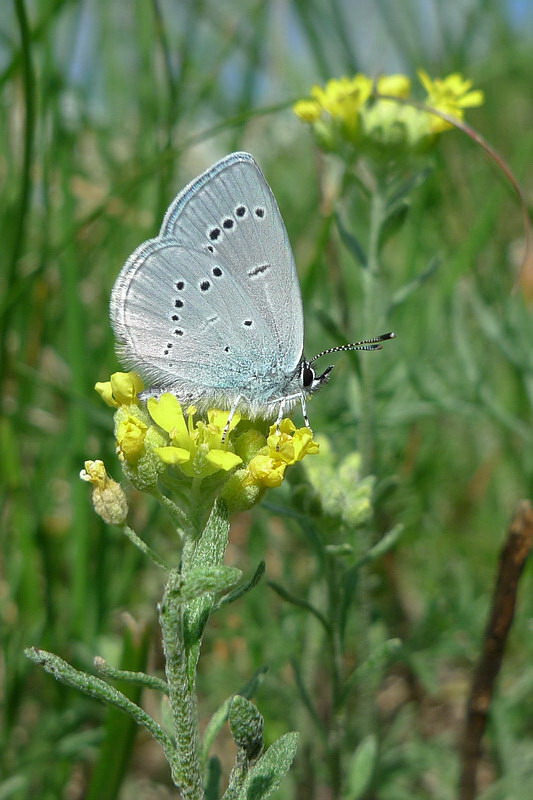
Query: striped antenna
[(366, 344)]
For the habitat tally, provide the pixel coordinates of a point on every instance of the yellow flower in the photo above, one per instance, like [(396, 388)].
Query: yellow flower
[(396, 85), (109, 500), (450, 95), (130, 436), (263, 470), (284, 447), (290, 444), (122, 389), (343, 99), (338, 103), (307, 110), (197, 449)]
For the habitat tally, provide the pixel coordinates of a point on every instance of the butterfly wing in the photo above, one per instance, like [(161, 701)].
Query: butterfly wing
[(211, 308), (230, 212)]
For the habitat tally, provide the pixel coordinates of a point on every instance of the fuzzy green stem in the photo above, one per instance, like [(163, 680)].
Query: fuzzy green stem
[(178, 515), (185, 761), (96, 687), (182, 626), (237, 777), (126, 675), (144, 548)]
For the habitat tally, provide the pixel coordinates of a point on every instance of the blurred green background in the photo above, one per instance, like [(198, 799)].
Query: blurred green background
[(108, 109)]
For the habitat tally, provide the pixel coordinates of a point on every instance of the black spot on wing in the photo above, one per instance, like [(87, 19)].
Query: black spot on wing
[(253, 273)]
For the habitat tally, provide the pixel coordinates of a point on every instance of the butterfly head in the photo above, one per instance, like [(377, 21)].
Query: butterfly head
[(309, 380)]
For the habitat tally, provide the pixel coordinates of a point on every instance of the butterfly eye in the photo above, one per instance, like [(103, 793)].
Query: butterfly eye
[(307, 376)]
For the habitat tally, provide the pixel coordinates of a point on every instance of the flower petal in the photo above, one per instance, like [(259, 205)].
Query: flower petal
[(166, 412), (173, 455), (126, 386), (130, 436), (264, 471), (222, 459), (106, 393)]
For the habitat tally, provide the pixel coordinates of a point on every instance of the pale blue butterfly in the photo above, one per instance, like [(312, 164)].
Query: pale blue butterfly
[(210, 310)]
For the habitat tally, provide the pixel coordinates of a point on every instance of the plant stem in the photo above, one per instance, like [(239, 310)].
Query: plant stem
[(185, 764), (182, 626)]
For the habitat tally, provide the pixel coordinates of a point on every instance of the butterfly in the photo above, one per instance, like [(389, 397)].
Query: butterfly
[(210, 310)]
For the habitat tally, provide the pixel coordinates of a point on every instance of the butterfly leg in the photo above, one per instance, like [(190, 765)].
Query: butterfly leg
[(280, 415), (278, 421), (230, 418), (304, 411)]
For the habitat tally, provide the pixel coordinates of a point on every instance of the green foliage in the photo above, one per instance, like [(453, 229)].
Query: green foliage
[(265, 776), (361, 768), (107, 110)]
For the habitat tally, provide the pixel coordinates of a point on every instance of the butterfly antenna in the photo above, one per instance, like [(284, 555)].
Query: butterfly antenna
[(366, 344)]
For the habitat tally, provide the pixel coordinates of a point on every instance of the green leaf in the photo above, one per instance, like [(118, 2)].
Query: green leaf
[(265, 776), (373, 665), (351, 243), (405, 291), (386, 543), (301, 603), (361, 768), (245, 587), (407, 187), (116, 748), (214, 774), (393, 222), (209, 580)]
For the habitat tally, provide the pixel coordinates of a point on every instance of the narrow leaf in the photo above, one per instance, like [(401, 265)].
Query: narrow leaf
[(265, 776), (301, 603), (245, 587), (405, 291), (209, 579), (306, 698), (214, 774), (407, 187), (361, 768), (351, 242), (393, 222)]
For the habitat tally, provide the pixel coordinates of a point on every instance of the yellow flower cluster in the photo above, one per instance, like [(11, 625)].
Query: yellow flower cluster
[(283, 447), (450, 95), (351, 109), (163, 435), (197, 448)]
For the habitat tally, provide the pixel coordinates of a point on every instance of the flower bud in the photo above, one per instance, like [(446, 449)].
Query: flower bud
[(246, 725), (109, 500)]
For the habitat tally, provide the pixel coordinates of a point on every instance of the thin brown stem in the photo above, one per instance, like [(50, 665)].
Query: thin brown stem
[(513, 556)]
